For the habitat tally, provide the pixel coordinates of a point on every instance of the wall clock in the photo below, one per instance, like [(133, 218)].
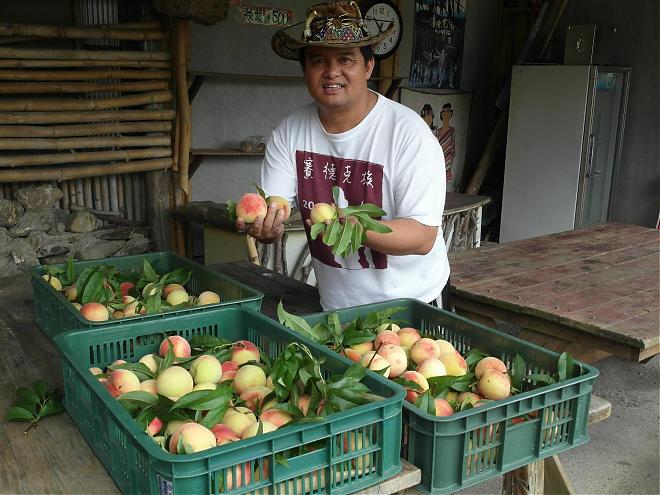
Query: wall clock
[(378, 17)]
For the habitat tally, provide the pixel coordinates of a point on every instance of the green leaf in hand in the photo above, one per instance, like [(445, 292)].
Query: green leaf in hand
[(317, 228)]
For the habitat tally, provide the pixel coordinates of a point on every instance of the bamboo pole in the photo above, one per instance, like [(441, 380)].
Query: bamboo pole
[(65, 196), (2, 193), (66, 88), (81, 75), (65, 173), (183, 104), (90, 156), (36, 64), (74, 143), (87, 190), (120, 195), (92, 32), (128, 195), (29, 53), (83, 130), (70, 117), (112, 186), (105, 200), (97, 193), (72, 192), (80, 197), (136, 25), (137, 195), (37, 105)]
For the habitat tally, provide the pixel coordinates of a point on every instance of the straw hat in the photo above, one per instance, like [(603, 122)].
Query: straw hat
[(334, 24)]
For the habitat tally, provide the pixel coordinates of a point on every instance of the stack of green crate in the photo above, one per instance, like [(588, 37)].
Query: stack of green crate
[(54, 314), (477, 444)]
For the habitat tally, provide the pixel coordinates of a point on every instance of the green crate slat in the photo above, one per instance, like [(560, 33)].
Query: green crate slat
[(54, 314), (478, 444), (139, 466)]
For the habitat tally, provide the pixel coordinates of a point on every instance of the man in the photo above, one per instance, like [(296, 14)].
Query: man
[(374, 149)]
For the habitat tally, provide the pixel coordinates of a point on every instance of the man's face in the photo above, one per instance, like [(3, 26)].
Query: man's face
[(336, 77)]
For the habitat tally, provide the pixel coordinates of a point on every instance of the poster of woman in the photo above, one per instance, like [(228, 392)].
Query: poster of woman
[(447, 116), (438, 46)]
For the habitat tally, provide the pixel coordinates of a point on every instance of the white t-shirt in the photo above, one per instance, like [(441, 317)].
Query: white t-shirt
[(391, 159)]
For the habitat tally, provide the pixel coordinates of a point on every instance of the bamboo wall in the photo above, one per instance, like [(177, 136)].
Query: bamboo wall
[(93, 121)]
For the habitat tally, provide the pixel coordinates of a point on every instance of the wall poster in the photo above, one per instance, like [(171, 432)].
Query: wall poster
[(438, 44), (447, 115)]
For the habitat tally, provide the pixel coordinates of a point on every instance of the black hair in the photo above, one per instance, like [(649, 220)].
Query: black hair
[(366, 51)]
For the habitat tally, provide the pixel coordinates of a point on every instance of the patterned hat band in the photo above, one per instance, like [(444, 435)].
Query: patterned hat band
[(333, 24)]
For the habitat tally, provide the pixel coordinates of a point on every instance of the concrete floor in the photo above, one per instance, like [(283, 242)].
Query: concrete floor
[(623, 455)]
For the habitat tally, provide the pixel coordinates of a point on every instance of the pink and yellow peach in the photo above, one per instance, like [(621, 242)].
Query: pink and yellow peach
[(494, 385), (229, 369), (253, 396), (276, 417), (282, 204), (252, 430), (321, 212), (419, 379), (94, 311), (454, 363), (243, 351), (176, 297), (396, 357), (386, 337), (174, 382), (423, 349), (249, 376), (408, 336), (180, 347), (224, 434), (124, 381), (206, 369), (195, 438), (208, 297), (431, 367), (375, 362), (238, 419), (251, 206), (443, 408), (489, 363)]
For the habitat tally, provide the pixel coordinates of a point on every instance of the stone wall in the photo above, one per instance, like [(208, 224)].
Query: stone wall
[(34, 230)]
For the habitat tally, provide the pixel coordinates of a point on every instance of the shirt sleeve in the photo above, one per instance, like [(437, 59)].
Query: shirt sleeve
[(421, 185), (278, 170)]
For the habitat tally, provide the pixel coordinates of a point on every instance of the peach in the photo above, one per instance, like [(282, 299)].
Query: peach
[(194, 437), (94, 311), (386, 337), (396, 356), (206, 369), (489, 363), (253, 396), (124, 381), (117, 314), (180, 347), (351, 354), (238, 419), (150, 362), (208, 297), (470, 397), (53, 281), (244, 471), (169, 288), (388, 326), (149, 386), (155, 426), (71, 293), (322, 212), (125, 287), (249, 376), (174, 382), (253, 429), (423, 349), (282, 204), (76, 305), (376, 362), (111, 388), (494, 385), (363, 348), (419, 379), (173, 425), (95, 370), (251, 206), (452, 396), (275, 416), (224, 434), (355, 442), (445, 346), (243, 351), (131, 309), (117, 362), (443, 408), (431, 367), (303, 404), (454, 363), (408, 336), (229, 369), (204, 386), (176, 297)]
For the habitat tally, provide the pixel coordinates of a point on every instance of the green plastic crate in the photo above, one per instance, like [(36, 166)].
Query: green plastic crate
[(139, 466), (54, 314), (477, 444)]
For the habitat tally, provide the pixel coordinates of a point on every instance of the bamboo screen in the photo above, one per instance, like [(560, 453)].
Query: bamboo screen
[(92, 120)]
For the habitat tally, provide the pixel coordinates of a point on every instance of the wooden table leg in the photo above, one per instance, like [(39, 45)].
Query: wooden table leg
[(527, 480)]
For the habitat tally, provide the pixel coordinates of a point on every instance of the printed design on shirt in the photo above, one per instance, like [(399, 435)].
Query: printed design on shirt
[(359, 181)]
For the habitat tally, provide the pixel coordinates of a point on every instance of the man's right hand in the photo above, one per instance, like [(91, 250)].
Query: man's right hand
[(265, 229)]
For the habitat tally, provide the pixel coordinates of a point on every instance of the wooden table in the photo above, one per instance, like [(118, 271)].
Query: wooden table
[(594, 291)]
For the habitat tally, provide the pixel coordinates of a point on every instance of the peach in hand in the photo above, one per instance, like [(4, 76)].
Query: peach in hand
[(322, 212), (251, 206), (282, 204)]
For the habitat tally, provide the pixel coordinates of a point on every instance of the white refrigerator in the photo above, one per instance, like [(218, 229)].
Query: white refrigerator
[(564, 139)]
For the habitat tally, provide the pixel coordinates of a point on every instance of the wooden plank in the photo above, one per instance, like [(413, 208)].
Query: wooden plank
[(599, 410), (556, 481), (409, 476)]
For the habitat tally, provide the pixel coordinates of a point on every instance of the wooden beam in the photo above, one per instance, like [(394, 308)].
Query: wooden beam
[(91, 32), (38, 105), (68, 75), (75, 117), (15, 131), (23, 53)]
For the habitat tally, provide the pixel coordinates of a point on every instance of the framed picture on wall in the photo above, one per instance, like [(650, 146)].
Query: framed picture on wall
[(438, 44), (447, 114)]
